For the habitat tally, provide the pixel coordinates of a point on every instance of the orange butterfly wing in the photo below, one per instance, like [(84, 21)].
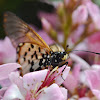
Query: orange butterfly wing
[(20, 32)]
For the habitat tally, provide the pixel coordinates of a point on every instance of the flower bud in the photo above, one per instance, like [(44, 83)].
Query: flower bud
[(94, 12), (46, 25), (80, 15)]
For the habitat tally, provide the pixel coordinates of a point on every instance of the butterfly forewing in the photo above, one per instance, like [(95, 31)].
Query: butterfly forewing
[(20, 32)]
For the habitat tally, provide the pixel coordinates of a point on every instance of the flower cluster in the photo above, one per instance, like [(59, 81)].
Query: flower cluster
[(39, 85), (74, 22)]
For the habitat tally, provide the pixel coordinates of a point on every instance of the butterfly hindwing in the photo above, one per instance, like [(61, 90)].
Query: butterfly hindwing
[(30, 56), (20, 32)]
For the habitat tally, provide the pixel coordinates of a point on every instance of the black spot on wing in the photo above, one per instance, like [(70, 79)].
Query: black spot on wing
[(32, 63), (40, 63), (32, 56), (24, 59), (39, 49), (16, 60), (32, 46), (31, 69), (25, 54), (39, 68), (35, 55), (29, 62), (29, 49)]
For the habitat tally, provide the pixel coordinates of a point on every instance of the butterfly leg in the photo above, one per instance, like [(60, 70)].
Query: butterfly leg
[(65, 63)]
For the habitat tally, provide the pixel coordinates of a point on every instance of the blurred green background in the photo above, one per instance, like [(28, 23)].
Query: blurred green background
[(27, 10)]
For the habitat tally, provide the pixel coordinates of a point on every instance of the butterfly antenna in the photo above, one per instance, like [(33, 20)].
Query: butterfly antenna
[(67, 48), (85, 51), (81, 50)]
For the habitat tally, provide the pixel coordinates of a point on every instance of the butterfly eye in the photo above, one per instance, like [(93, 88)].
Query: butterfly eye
[(65, 57)]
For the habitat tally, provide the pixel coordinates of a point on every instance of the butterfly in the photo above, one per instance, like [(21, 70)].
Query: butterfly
[(32, 51)]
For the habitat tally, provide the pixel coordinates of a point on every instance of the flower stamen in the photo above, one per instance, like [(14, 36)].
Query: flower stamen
[(39, 91), (35, 89)]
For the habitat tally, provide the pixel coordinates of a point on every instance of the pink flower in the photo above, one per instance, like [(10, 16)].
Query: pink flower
[(79, 60), (72, 79), (2, 91), (76, 34), (94, 12), (39, 85), (46, 25), (5, 70), (88, 8), (84, 98), (80, 15), (77, 76), (93, 78), (51, 18), (7, 51), (94, 42)]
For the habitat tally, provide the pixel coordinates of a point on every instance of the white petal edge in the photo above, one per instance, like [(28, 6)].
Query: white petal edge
[(13, 93)]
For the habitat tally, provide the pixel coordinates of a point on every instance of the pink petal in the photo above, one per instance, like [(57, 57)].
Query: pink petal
[(64, 92), (52, 93), (5, 82), (15, 78), (95, 66), (46, 25), (93, 77), (79, 60), (51, 18), (32, 79), (80, 15), (96, 93), (59, 80), (84, 98), (2, 91), (94, 38), (76, 71), (94, 42), (70, 83), (85, 1), (83, 78), (6, 69), (75, 35), (94, 12), (13, 93), (7, 51)]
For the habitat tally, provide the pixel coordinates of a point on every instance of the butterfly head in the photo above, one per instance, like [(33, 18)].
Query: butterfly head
[(58, 57)]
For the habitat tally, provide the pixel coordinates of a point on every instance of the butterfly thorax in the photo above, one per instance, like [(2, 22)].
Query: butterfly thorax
[(57, 57), (54, 59)]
